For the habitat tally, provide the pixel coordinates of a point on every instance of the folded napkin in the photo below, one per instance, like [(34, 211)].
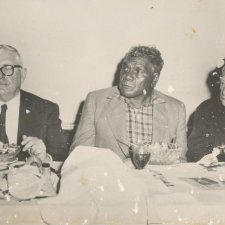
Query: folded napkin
[(27, 182), (210, 159), (96, 188)]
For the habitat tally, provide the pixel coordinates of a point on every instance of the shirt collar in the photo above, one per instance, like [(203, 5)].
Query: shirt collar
[(13, 102), (156, 99)]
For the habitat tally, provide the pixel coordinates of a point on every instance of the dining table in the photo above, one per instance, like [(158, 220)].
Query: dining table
[(185, 193), (21, 212), (195, 194)]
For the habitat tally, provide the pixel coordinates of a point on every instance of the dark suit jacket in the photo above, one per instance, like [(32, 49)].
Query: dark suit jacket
[(40, 118), (208, 130), (103, 122)]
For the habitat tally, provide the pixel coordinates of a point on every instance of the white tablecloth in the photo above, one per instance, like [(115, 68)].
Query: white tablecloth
[(187, 201), (97, 188)]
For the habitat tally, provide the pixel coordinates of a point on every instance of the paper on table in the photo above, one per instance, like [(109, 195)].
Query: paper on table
[(179, 170), (205, 183)]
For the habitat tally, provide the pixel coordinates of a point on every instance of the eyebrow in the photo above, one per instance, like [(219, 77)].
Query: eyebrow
[(137, 65), (10, 64)]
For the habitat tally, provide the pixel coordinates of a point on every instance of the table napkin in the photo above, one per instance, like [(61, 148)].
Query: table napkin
[(96, 188)]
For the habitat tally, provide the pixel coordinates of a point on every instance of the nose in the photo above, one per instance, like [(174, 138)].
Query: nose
[(223, 90), (129, 76), (2, 75)]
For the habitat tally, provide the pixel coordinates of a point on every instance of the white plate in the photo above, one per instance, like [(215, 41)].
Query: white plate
[(7, 163)]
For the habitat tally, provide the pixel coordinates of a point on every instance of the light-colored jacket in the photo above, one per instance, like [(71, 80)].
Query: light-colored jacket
[(103, 122)]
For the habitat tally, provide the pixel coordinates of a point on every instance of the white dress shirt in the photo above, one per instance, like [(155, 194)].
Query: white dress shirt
[(12, 118)]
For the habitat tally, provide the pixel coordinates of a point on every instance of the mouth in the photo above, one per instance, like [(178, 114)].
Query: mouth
[(128, 84), (127, 87)]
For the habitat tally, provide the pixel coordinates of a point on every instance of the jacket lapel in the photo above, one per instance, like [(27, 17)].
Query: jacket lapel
[(116, 117), (28, 117), (160, 122)]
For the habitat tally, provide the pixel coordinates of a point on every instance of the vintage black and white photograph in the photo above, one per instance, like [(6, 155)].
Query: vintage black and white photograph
[(112, 112)]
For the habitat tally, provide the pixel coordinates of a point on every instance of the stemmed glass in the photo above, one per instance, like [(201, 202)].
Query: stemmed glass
[(140, 155)]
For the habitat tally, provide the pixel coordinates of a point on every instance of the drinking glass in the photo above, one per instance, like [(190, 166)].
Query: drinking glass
[(139, 155)]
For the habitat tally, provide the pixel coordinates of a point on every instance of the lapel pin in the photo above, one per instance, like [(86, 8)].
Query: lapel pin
[(27, 111)]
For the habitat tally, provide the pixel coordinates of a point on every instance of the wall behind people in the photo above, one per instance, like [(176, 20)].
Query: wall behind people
[(73, 47)]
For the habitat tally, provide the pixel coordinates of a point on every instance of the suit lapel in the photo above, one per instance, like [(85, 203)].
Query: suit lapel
[(116, 117), (160, 122), (28, 117)]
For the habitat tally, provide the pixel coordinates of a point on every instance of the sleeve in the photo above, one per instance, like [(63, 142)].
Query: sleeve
[(55, 140), (199, 139), (181, 136), (85, 134)]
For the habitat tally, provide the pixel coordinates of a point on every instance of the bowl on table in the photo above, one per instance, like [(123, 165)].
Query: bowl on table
[(9, 152), (140, 156), (165, 153)]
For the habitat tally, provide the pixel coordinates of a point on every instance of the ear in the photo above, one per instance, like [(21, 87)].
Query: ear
[(155, 79), (23, 75), (223, 71)]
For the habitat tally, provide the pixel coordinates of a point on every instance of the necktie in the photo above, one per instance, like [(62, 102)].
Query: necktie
[(3, 135)]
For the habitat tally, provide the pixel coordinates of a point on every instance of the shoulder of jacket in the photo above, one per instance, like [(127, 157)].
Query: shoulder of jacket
[(103, 92), (207, 105), (168, 99), (34, 99)]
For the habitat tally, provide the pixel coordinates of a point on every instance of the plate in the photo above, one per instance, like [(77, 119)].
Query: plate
[(10, 153), (7, 163), (4, 166)]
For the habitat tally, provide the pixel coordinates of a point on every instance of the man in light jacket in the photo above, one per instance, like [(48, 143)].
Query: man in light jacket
[(133, 112)]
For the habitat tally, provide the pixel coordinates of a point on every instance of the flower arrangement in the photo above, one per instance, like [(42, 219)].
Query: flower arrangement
[(165, 153)]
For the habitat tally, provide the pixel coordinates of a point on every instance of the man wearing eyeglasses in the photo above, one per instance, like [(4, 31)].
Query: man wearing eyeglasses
[(134, 113), (26, 119)]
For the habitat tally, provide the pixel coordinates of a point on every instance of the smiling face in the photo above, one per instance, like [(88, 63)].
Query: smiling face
[(222, 87), (10, 85), (137, 75)]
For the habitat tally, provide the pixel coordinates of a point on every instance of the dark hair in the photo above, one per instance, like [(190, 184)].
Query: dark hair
[(218, 70), (215, 74), (213, 80), (151, 53)]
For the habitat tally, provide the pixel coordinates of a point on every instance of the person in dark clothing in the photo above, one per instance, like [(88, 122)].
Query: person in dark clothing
[(26, 119), (209, 120)]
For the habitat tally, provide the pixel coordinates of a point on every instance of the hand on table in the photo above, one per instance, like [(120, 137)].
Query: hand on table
[(210, 159), (34, 146)]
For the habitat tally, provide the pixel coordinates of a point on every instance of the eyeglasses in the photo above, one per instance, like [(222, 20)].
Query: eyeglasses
[(8, 70)]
